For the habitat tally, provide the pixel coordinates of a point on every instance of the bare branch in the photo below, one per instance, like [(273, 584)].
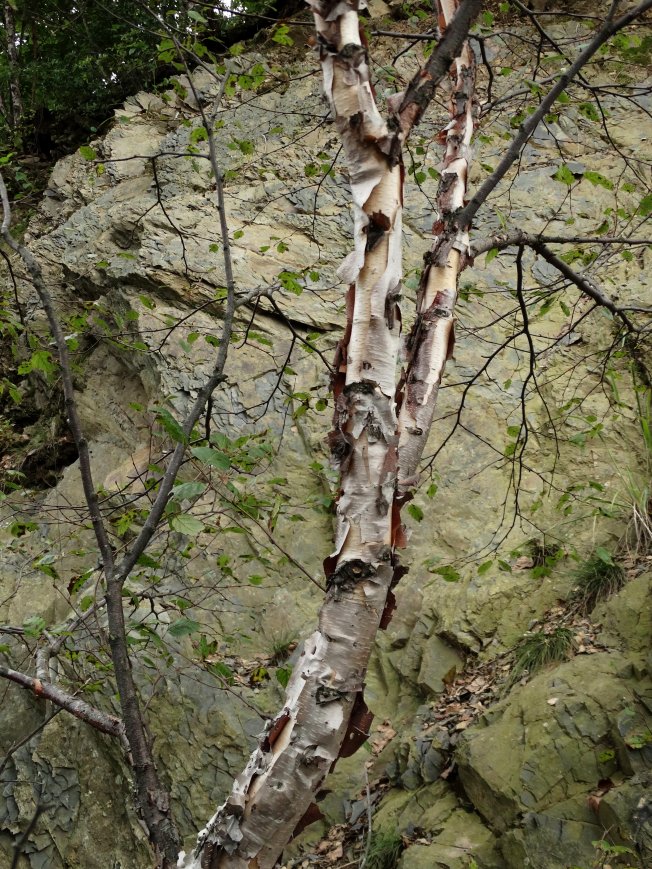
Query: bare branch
[(101, 721), (538, 244)]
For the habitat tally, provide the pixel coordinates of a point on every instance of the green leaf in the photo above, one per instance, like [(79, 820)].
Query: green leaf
[(564, 175), (415, 512), (255, 579), (186, 524), (598, 180), (217, 668), (431, 491), (491, 254), (199, 134), (87, 152), (183, 627), (290, 283), (447, 573), (645, 206), (34, 626), (589, 111), (604, 555), (171, 426), (283, 675), (145, 560), (281, 35), (188, 490), (211, 457), (484, 567), (42, 361)]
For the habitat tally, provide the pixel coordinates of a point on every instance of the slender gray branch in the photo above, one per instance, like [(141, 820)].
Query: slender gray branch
[(539, 243), (217, 376), (101, 721), (509, 239)]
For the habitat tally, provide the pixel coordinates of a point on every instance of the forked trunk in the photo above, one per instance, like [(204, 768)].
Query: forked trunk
[(324, 716)]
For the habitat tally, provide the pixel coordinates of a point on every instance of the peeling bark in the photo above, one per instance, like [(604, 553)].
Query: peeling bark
[(303, 742), (431, 341)]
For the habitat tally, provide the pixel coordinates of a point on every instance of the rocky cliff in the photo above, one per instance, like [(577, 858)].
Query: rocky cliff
[(479, 756)]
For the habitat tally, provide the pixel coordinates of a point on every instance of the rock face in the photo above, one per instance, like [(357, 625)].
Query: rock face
[(131, 247)]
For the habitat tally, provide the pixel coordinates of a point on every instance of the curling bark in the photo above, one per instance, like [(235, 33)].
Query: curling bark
[(300, 746)]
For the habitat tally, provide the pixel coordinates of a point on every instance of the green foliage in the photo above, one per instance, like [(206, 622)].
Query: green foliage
[(282, 644), (283, 676), (385, 849), (544, 555), (539, 648), (606, 855), (597, 578)]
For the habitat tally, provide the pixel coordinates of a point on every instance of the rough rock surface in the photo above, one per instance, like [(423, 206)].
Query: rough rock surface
[(139, 241)]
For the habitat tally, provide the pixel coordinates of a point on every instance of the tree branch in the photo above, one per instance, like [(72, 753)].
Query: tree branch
[(101, 721), (538, 244)]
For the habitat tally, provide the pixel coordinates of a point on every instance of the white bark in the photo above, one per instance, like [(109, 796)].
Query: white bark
[(301, 745), (430, 344)]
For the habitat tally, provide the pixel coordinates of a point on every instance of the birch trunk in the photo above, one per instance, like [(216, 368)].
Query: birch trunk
[(430, 342), (301, 745), (324, 716)]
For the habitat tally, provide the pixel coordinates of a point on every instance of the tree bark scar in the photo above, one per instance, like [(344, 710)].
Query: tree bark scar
[(359, 726), (378, 225), (275, 731)]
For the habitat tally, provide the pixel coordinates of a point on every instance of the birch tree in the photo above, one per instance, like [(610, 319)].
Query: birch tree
[(324, 715)]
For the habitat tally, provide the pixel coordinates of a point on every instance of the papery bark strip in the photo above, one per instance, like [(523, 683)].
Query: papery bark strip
[(430, 342)]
